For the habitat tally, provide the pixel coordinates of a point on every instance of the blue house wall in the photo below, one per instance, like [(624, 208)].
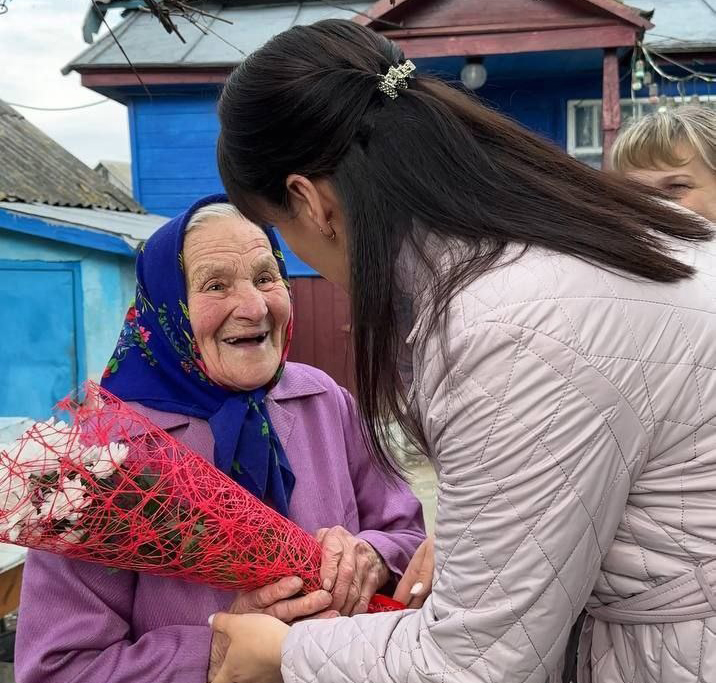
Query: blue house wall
[(53, 281), (173, 138), (173, 134)]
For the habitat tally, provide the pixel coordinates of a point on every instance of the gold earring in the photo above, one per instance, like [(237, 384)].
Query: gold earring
[(332, 234)]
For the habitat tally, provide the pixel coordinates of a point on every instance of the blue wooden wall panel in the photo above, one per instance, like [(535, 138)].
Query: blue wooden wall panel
[(540, 104), (181, 186), (177, 162), (174, 134), (174, 155)]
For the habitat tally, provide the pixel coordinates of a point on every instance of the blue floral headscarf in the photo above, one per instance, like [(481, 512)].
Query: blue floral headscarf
[(157, 363)]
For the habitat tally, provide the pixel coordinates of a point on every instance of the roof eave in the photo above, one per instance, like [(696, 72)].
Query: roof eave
[(628, 14), (66, 233)]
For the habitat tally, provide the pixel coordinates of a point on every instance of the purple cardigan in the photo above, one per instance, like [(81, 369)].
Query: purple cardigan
[(79, 623)]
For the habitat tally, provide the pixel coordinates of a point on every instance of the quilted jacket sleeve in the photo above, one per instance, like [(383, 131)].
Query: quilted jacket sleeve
[(536, 452)]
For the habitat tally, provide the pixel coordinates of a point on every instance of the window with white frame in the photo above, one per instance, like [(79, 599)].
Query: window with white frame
[(584, 124)]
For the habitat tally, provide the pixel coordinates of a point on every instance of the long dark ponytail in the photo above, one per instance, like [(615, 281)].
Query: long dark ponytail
[(433, 160)]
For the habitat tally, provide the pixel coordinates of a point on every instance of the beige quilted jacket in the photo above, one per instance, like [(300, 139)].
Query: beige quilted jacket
[(573, 422)]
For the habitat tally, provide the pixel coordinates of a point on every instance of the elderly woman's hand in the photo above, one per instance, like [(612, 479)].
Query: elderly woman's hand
[(276, 600), (254, 651), (351, 569)]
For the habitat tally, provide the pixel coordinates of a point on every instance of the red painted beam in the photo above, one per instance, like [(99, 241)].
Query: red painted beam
[(382, 8), (487, 29), (116, 77), (377, 11), (611, 111), (514, 42)]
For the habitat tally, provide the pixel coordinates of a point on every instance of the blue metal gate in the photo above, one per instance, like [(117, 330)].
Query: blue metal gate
[(41, 335)]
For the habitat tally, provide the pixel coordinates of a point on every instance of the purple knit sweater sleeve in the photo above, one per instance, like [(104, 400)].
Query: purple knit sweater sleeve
[(75, 627), (393, 521)]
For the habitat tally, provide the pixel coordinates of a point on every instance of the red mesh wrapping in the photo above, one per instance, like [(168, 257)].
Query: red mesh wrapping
[(114, 489)]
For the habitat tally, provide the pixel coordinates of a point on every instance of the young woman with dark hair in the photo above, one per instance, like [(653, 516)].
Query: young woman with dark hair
[(543, 331)]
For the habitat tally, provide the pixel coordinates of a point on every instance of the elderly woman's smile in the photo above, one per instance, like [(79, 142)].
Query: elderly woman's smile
[(239, 306)]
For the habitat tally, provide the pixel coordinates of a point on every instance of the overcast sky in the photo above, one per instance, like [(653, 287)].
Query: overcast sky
[(37, 38)]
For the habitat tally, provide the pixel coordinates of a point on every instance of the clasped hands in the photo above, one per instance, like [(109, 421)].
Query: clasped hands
[(351, 572), (247, 640)]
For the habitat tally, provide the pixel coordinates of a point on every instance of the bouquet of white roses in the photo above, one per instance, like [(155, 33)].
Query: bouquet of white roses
[(110, 487)]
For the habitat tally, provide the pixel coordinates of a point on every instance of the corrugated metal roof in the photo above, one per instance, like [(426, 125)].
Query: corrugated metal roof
[(132, 228), (148, 45), (34, 168), (119, 173), (680, 25)]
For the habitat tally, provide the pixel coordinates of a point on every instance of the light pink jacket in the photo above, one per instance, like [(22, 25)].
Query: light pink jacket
[(573, 421)]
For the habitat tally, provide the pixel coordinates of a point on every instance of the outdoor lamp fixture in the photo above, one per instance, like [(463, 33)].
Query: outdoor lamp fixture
[(473, 74)]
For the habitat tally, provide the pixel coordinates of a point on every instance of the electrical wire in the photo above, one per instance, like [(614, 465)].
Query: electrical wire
[(694, 73), (650, 54), (79, 106), (709, 5), (121, 49), (390, 24), (206, 28)]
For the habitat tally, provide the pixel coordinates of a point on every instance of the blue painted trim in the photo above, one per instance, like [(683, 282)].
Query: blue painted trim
[(63, 232), (75, 267), (134, 150), (80, 344)]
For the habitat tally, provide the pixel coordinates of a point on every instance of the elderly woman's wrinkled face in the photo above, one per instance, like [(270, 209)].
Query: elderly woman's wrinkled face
[(239, 306), (692, 185)]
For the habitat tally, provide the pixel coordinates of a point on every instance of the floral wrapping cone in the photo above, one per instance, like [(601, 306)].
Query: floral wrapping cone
[(113, 489)]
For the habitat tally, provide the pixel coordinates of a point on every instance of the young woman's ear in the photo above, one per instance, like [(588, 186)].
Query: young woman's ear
[(306, 200)]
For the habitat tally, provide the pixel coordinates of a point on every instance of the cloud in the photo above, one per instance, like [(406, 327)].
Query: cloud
[(42, 36)]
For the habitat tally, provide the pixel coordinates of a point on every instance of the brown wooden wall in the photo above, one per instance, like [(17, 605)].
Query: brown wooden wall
[(321, 334)]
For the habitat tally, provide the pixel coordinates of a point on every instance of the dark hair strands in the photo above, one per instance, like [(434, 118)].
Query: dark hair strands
[(435, 161)]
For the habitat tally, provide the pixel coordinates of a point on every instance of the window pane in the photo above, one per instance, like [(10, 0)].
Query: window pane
[(593, 160), (630, 111), (584, 126)]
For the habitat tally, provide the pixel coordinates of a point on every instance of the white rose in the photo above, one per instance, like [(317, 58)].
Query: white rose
[(73, 535), (58, 436), (92, 455), (67, 502), (14, 489), (12, 524), (110, 459), (27, 455)]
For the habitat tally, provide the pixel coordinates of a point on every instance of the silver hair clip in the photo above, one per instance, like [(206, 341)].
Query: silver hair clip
[(396, 79)]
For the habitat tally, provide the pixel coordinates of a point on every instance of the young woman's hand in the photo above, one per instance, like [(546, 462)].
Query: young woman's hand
[(253, 654), (417, 581), (277, 600)]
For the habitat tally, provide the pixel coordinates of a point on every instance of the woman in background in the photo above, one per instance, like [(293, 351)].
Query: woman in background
[(673, 151)]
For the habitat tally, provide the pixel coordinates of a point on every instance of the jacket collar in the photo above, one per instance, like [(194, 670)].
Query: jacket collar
[(298, 381), (160, 418)]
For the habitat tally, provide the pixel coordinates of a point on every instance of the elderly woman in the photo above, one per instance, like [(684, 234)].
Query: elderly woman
[(202, 354), (675, 152)]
